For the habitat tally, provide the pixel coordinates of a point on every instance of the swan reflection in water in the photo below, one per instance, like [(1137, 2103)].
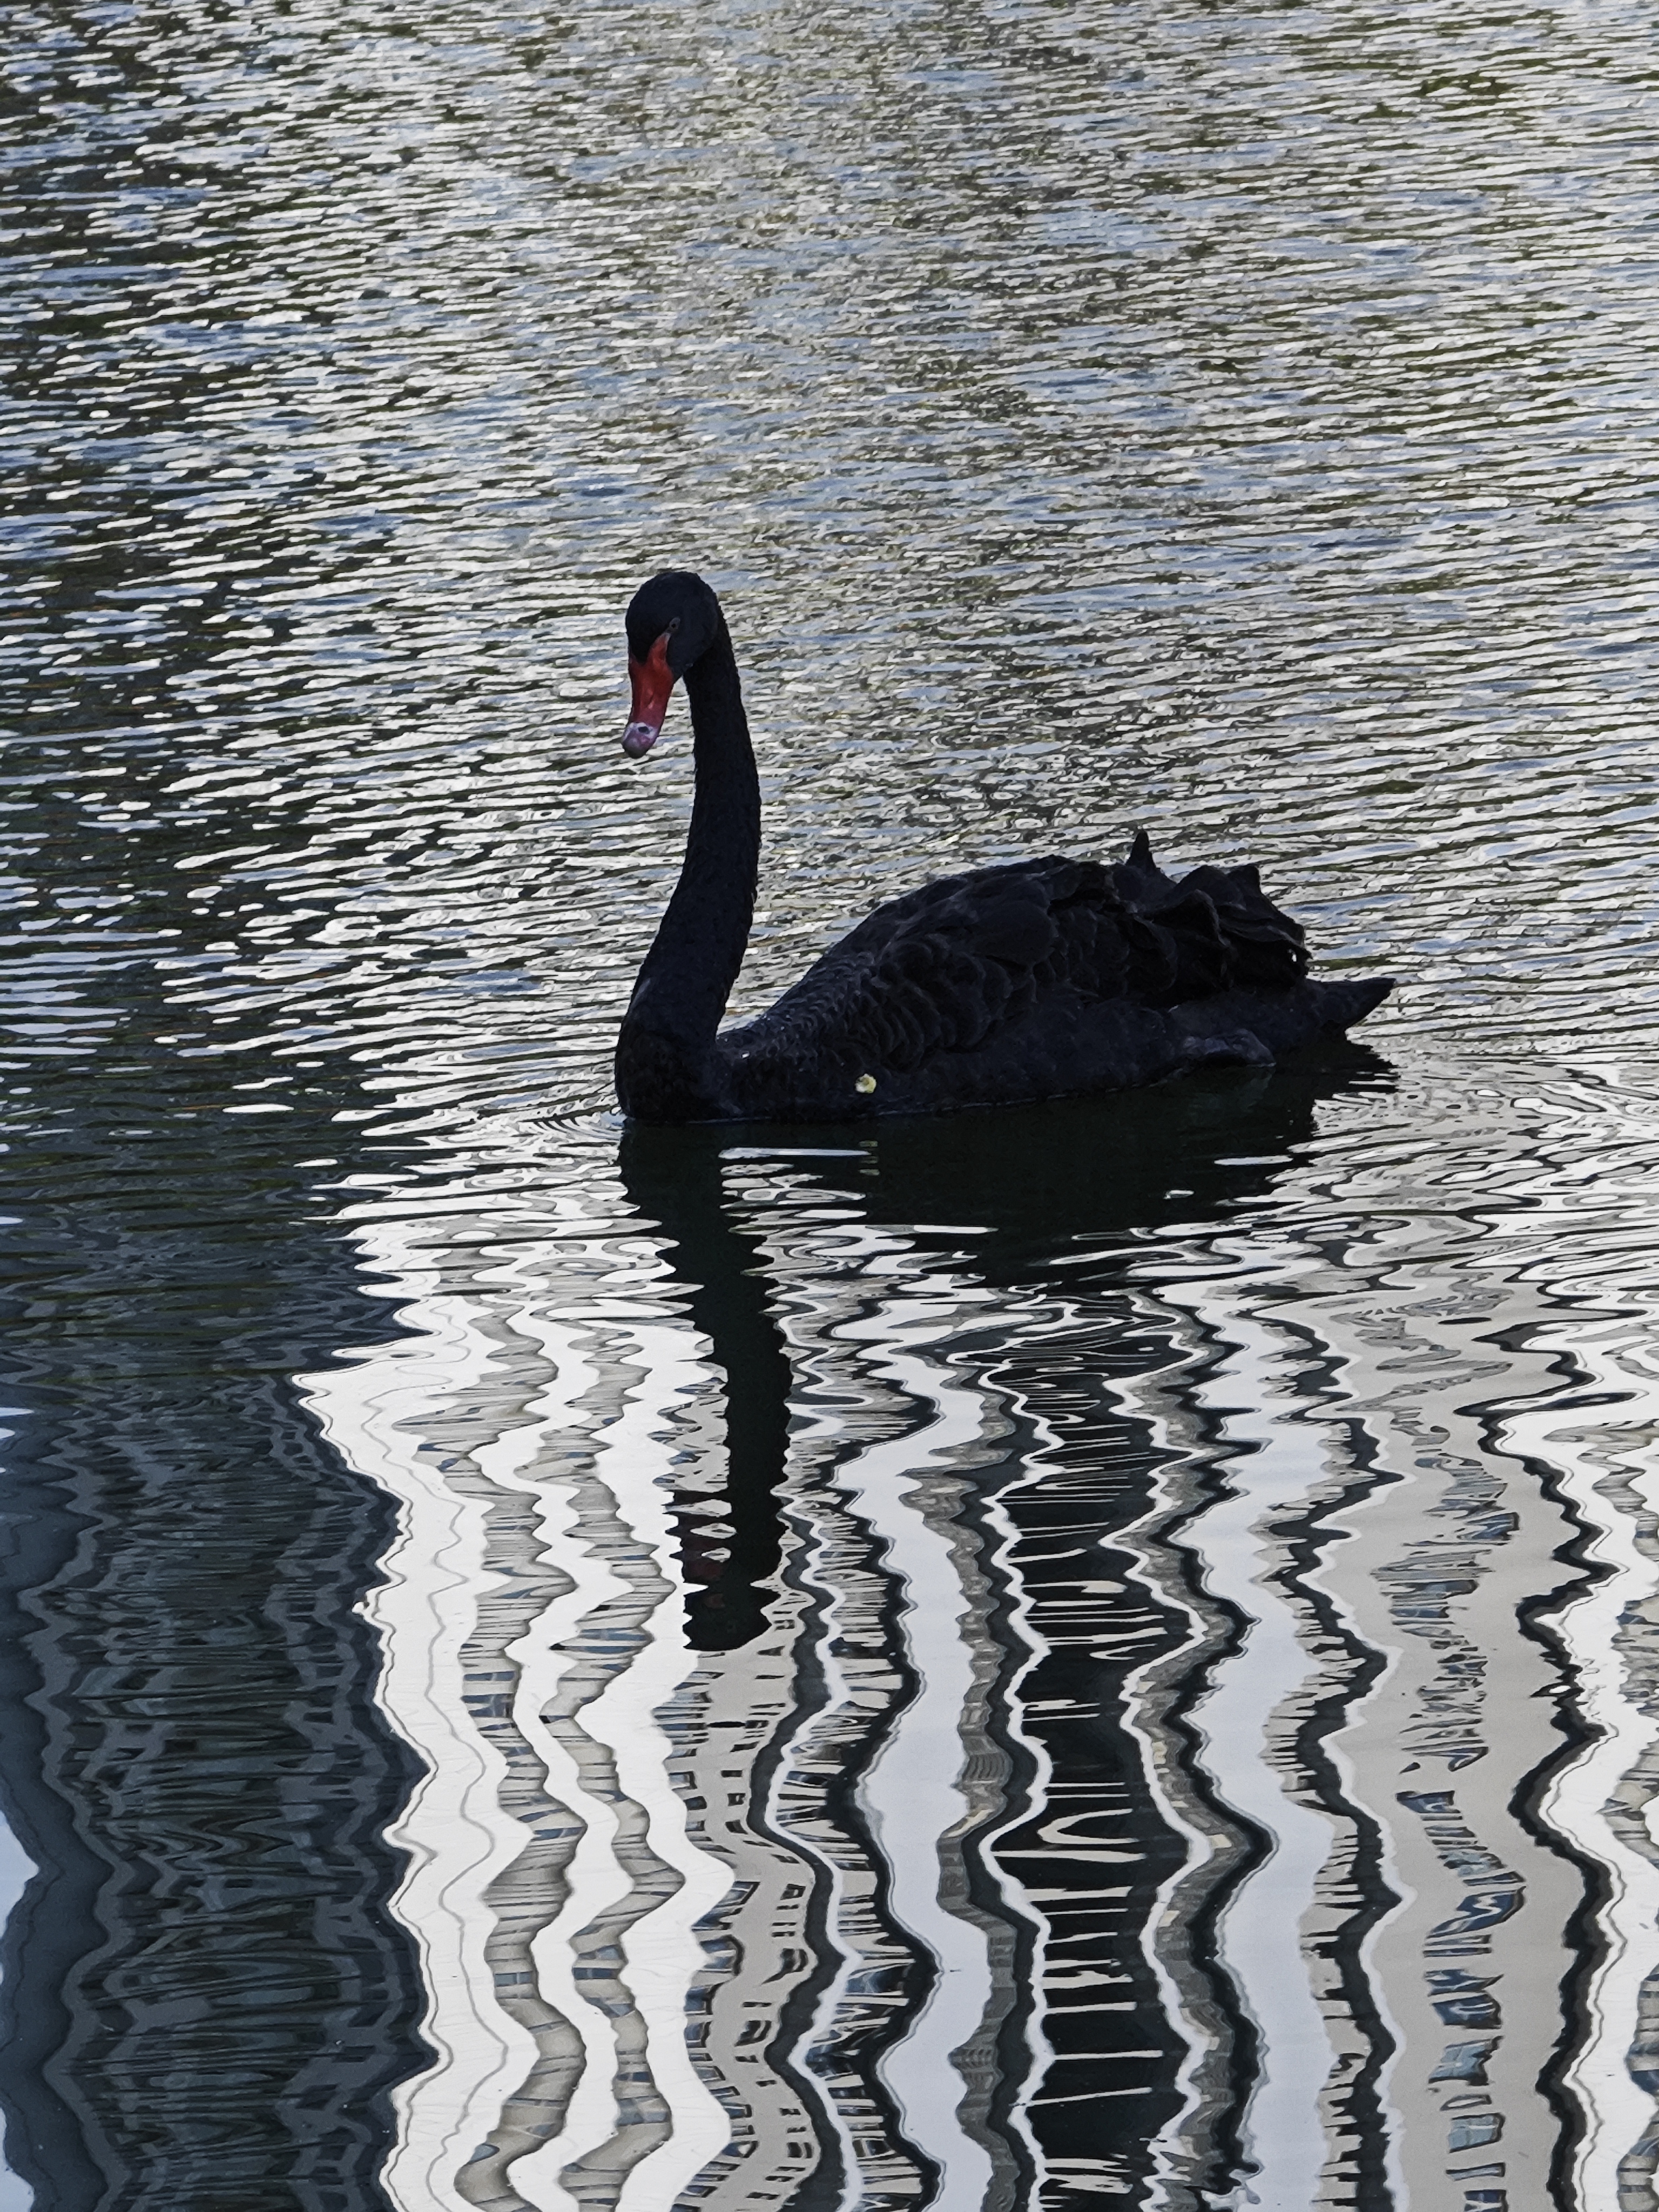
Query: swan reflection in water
[(976, 1835), (1065, 1183)]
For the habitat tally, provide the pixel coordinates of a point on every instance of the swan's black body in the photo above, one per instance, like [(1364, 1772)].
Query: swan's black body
[(1038, 980)]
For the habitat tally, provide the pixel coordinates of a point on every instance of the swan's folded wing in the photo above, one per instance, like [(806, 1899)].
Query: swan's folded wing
[(935, 971), (946, 967)]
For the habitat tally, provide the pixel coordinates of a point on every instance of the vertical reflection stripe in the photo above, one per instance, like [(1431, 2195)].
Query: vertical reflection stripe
[(378, 1413), (16, 1869), (1602, 1444), (1271, 1467), (911, 1792)]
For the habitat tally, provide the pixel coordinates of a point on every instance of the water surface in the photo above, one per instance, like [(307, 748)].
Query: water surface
[(1103, 1653)]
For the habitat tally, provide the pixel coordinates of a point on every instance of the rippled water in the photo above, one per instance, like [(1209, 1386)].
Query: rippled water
[(1105, 1652)]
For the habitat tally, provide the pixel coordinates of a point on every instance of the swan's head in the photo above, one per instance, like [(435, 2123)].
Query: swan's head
[(672, 621)]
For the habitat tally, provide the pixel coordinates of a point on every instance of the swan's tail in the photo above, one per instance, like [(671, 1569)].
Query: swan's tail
[(1339, 1006), (1259, 1026), (1264, 950)]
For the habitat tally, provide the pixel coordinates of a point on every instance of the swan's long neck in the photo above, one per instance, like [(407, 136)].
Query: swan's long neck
[(664, 1053)]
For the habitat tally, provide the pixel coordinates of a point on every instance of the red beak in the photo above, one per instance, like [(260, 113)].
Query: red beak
[(652, 680)]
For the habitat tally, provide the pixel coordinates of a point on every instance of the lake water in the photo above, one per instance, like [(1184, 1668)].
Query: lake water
[(1102, 1654)]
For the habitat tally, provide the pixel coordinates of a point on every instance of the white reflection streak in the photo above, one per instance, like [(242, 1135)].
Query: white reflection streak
[(458, 1839), (1142, 1694), (912, 1792), (1617, 2111), (593, 1878), (1022, 1627), (453, 1828), (662, 1955), (838, 1695), (1259, 1928)]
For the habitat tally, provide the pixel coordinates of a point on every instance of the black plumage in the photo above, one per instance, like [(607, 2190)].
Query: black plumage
[(1034, 979)]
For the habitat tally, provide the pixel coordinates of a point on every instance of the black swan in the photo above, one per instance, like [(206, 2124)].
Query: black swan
[(1039, 979)]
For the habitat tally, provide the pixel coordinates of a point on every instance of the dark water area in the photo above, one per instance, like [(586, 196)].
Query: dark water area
[(205, 1997), (1100, 1653)]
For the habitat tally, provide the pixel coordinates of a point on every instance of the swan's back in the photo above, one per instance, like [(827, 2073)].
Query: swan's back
[(1020, 980)]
